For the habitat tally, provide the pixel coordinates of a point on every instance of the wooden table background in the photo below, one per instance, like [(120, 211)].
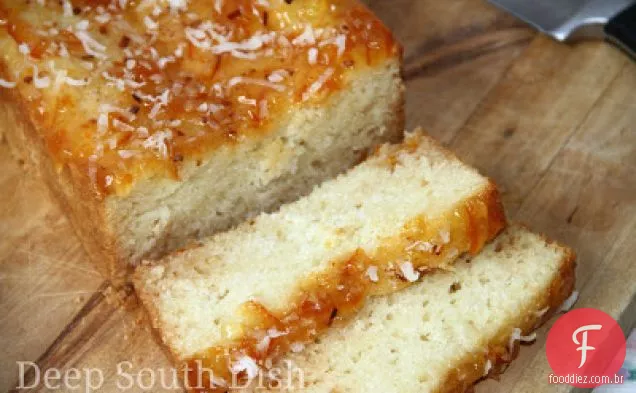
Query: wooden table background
[(554, 125)]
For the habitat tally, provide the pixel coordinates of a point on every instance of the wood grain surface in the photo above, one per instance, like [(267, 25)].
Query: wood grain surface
[(554, 125)]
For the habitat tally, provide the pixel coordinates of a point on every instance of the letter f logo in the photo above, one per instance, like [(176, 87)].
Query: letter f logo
[(583, 344)]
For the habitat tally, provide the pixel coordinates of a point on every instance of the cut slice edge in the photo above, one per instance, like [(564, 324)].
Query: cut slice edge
[(448, 350)]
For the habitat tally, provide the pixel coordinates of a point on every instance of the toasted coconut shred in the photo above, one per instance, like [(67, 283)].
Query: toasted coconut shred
[(408, 272), (247, 365), (487, 367), (569, 302), (6, 84), (372, 273), (517, 337)]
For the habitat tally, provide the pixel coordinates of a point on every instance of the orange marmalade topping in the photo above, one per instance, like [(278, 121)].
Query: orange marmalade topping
[(127, 87), (328, 298)]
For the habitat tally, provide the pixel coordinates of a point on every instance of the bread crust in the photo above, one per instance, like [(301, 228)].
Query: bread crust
[(69, 187)]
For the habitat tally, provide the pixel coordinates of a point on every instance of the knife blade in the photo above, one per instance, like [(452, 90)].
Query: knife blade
[(566, 20)]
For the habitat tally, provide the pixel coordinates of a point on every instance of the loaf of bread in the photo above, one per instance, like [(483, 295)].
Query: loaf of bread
[(285, 277), (444, 334), (157, 122)]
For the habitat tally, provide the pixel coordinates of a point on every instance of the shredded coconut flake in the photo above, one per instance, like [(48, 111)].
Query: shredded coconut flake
[(104, 111), (157, 142), (372, 273), (245, 364), (218, 6), (278, 76), (569, 302), (263, 345), (197, 37), (61, 77), (82, 25), (102, 123), (307, 37), (90, 45), (408, 272), (68, 8), (75, 82), (126, 154), (121, 126), (237, 49), (162, 62), (421, 246), (542, 312), (273, 333), (178, 52), (178, 5), (340, 41), (142, 132), (150, 24), (24, 49), (160, 102), (312, 56), (6, 84), (205, 37), (318, 84), (40, 83), (220, 382), (63, 51), (119, 83), (102, 18), (260, 82), (516, 336), (247, 101), (487, 367)]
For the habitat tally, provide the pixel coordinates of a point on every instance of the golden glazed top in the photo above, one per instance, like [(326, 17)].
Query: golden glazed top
[(124, 88)]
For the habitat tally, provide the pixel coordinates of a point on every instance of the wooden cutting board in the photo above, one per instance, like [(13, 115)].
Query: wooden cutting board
[(554, 125)]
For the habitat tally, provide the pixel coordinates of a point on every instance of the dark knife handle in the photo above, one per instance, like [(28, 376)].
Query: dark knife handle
[(621, 30)]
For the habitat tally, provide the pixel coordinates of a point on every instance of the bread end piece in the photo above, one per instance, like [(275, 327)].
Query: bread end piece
[(218, 187)]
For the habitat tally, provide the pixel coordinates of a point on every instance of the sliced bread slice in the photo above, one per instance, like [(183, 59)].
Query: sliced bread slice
[(446, 333), (285, 277)]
